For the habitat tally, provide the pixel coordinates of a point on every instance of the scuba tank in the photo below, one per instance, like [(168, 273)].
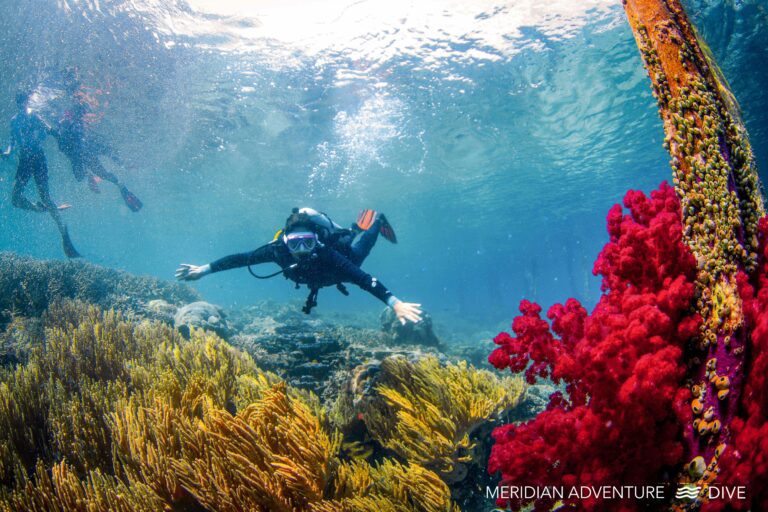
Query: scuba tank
[(325, 228)]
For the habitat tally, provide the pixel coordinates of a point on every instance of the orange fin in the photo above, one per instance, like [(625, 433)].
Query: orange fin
[(365, 219)]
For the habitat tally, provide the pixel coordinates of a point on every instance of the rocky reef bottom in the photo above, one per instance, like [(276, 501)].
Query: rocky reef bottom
[(130, 393)]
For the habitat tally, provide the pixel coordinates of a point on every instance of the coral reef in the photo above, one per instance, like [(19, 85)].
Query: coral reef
[(28, 286), (312, 353), (421, 333), (108, 414), (200, 315), (621, 418)]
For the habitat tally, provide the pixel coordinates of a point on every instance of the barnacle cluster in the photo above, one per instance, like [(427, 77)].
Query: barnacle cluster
[(110, 415), (705, 423), (714, 175), (426, 412), (702, 474), (716, 180)]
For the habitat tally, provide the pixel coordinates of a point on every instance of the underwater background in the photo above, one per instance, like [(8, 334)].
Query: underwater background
[(494, 135)]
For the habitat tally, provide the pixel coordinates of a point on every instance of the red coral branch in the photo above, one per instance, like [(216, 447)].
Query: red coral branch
[(745, 462), (619, 420)]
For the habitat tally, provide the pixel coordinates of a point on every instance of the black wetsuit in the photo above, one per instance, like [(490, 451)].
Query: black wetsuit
[(28, 132), (82, 147), (331, 264)]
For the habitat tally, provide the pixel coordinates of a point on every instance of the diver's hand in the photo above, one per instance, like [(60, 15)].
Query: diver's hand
[(187, 272), (407, 311)]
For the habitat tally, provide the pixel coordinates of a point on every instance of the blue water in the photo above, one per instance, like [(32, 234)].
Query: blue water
[(495, 136)]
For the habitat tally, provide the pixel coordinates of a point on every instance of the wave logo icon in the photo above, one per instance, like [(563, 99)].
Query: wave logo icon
[(687, 492)]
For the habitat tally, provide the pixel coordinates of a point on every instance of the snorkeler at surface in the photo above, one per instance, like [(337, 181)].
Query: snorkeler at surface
[(28, 132), (315, 251), (83, 148)]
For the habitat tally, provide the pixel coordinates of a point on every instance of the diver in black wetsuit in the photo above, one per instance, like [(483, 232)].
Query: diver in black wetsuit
[(28, 132), (315, 251), (83, 148)]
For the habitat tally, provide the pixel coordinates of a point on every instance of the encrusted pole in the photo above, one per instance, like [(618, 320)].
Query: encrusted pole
[(716, 179)]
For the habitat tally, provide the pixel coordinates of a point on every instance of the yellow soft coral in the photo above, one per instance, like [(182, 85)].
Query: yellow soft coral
[(390, 486), (425, 412), (136, 418)]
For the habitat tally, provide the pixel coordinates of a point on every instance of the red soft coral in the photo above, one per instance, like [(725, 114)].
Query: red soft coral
[(745, 461), (622, 366)]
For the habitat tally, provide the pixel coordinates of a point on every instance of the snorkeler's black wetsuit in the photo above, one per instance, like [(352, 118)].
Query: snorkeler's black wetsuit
[(28, 132), (82, 147), (328, 266)]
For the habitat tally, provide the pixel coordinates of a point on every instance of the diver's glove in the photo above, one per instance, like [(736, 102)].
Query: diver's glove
[(405, 310), (187, 272)]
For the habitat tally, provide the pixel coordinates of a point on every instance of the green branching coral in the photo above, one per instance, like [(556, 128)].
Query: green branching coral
[(426, 412), (29, 286), (110, 415)]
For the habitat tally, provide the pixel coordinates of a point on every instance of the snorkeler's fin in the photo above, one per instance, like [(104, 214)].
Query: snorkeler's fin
[(131, 201), (367, 218), (386, 230), (69, 248)]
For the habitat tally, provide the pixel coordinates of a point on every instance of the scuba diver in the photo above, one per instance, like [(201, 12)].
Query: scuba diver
[(28, 132), (83, 148), (312, 249)]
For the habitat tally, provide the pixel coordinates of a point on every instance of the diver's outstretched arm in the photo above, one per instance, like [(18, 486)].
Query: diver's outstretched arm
[(264, 254), (405, 311), (187, 272)]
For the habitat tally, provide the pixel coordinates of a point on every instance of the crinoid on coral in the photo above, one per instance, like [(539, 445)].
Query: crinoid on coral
[(621, 419), (431, 415), (425, 412), (111, 415), (359, 487)]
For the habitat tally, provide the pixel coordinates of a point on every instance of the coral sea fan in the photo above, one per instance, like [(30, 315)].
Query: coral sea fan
[(622, 366)]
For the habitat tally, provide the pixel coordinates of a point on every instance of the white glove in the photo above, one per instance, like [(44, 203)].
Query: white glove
[(187, 272)]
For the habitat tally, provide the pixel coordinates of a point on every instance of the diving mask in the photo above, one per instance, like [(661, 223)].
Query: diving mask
[(300, 243)]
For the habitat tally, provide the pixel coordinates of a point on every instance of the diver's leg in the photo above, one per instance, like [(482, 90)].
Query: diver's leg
[(131, 201), (23, 174), (364, 242), (98, 169), (41, 180), (78, 168)]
